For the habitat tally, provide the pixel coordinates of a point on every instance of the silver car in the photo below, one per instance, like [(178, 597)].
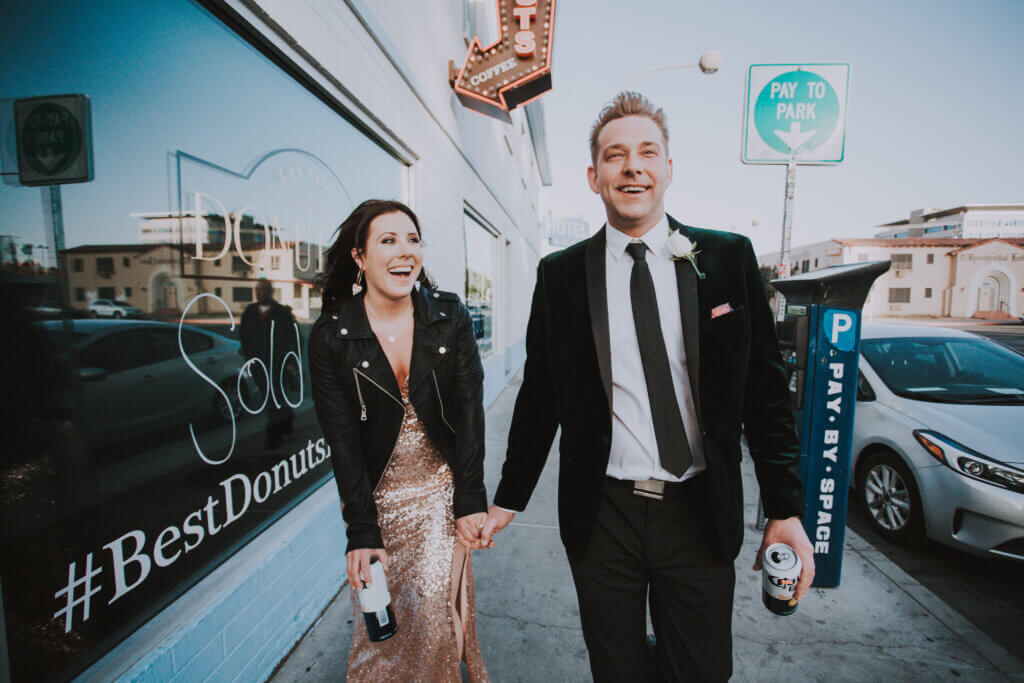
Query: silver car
[(132, 380), (113, 308), (939, 438)]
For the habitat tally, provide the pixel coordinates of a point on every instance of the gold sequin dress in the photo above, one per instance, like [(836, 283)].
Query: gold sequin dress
[(430, 574)]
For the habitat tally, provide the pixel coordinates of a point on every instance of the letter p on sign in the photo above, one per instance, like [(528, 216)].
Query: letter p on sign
[(840, 329)]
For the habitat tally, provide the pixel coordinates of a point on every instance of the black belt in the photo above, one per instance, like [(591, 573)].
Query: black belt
[(658, 489)]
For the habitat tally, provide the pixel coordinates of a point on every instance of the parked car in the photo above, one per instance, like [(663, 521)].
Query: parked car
[(939, 438), (113, 308), (132, 380)]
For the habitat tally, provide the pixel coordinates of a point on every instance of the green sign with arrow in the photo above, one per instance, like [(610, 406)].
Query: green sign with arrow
[(795, 112)]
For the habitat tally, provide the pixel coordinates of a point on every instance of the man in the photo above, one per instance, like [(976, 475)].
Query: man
[(651, 365), (257, 320)]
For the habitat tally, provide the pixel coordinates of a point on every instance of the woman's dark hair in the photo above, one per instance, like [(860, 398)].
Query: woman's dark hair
[(340, 270)]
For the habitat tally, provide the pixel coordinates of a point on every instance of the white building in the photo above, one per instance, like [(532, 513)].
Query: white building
[(806, 258), (973, 220), (169, 227), (567, 230)]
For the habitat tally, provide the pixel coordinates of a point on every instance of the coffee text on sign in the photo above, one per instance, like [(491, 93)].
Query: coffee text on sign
[(516, 68)]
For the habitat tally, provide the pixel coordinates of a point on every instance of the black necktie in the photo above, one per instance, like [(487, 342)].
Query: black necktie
[(673, 448)]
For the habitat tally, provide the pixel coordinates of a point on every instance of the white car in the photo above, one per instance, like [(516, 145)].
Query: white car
[(132, 380), (113, 308), (938, 446)]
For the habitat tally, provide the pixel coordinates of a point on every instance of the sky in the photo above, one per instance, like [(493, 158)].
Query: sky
[(935, 111), (237, 101)]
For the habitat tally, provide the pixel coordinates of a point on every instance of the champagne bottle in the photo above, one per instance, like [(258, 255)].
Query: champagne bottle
[(375, 601)]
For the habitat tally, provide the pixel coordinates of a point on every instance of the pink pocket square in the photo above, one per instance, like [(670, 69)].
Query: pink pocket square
[(720, 310)]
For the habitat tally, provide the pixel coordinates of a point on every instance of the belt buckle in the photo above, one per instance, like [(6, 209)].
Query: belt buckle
[(650, 488)]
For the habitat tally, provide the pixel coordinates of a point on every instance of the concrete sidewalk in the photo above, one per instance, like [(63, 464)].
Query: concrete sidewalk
[(880, 625)]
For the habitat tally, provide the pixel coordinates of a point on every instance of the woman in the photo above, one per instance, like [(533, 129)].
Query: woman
[(397, 383)]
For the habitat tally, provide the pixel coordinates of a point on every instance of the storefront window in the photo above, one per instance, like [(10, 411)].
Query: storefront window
[(144, 443), (480, 279)]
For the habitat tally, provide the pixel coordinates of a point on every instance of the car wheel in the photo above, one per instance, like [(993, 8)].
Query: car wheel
[(223, 411), (889, 496), (118, 314)]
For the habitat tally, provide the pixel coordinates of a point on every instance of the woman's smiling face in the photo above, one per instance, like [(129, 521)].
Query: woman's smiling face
[(393, 257)]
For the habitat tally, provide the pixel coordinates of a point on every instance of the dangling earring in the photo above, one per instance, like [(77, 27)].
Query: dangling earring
[(417, 285), (356, 286)]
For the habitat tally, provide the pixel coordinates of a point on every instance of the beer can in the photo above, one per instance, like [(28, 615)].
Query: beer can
[(780, 571), (375, 602)]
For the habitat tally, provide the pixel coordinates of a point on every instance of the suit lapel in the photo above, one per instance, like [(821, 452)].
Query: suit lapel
[(597, 301), (689, 310)]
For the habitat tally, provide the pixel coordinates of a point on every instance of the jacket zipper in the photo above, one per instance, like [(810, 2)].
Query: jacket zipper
[(359, 392), (440, 403), (362, 405), (362, 416)]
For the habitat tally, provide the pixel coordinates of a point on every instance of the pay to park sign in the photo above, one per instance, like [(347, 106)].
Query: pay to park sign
[(795, 112)]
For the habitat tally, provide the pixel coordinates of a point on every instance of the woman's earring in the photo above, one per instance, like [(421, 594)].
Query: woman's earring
[(357, 286), (417, 285)]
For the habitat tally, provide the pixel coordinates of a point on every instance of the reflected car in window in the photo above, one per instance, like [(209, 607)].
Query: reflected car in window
[(113, 308), (132, 379), (939, 438)]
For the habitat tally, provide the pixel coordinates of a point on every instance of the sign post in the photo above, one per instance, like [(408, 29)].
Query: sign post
[(54, 138), (794, 114)]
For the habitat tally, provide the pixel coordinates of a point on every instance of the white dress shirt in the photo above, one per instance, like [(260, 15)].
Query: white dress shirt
[(634, 449)]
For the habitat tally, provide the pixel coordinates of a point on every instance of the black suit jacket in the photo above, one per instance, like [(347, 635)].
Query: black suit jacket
[(736, 374)]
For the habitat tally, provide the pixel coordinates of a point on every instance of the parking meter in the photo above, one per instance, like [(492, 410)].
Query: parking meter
[(820, 343)]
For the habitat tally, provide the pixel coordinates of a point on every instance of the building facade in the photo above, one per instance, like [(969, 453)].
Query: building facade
[(970, 221), (940, 277), (151, 534)]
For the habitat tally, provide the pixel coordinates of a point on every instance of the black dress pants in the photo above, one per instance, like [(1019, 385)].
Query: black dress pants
[(662, 553)]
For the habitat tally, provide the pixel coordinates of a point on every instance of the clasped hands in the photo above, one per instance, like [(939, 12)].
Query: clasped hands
[(474, 531), (477, 531)]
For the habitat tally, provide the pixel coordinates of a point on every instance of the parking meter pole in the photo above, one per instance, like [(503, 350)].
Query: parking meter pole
[(787, 234), (820, 343)]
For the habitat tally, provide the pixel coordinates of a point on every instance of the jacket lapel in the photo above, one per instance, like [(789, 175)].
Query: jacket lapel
[(354, 326), (689, 310), (424, 338), (597, 301)]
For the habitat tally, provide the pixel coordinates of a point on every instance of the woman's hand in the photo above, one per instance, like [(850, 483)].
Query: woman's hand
[(359, 565), (468, 530)]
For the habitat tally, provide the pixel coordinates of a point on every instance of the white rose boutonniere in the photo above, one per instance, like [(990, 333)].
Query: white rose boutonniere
[(680, 246)]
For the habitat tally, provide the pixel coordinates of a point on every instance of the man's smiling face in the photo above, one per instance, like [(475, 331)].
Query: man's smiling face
[(632, 172)]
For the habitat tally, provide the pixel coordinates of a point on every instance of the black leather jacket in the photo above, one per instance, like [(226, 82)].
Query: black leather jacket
[(360, 409)]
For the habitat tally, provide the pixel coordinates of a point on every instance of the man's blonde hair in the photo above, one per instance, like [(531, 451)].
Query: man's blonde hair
[(626, 103)]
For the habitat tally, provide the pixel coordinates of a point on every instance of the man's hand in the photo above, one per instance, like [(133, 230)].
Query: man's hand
[(497, 519), (359, 565), (791, 532), (468, 530)]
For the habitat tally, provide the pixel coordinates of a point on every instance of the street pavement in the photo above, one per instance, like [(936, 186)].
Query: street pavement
[(879, 625)]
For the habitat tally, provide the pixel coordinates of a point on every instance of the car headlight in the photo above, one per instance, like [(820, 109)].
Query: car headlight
[(970, 463)]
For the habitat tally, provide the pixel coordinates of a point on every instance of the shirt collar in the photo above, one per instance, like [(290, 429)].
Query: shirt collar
[(656, 239)]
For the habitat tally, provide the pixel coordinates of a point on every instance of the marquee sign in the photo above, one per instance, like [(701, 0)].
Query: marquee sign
[(516, 68)]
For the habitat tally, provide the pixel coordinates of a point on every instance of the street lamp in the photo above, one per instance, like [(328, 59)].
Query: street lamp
[(710, 62)]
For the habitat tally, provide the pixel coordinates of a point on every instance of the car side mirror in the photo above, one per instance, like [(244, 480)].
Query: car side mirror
[(91, 374), (864, 390)]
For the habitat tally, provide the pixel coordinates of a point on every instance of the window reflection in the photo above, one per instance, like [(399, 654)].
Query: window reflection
[(133, 400), (480, 277)]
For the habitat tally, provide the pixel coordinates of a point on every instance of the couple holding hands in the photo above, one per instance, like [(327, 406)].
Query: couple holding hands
[(651, 344)]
